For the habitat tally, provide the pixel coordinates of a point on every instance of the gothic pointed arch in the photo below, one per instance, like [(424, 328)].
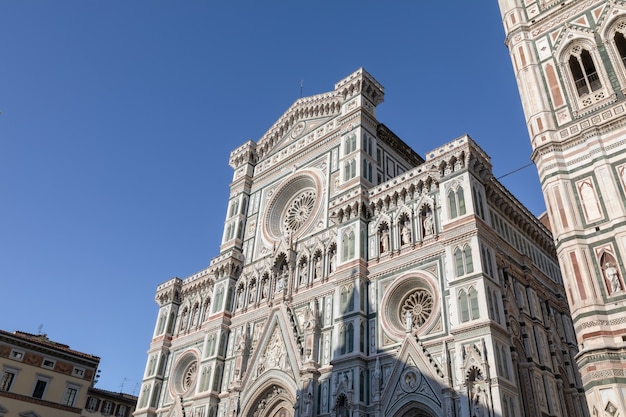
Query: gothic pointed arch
[(415, 383), (275, 358)]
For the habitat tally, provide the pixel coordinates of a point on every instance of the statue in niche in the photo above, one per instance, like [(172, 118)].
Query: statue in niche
[(183, 319), (265, 289), (429, 225), (304, 273), (194, 313), (318, 268), (206, 310), (480, 403), (406, 233), (251, 289), (241, 341), (240, 298), (384, 240), (282, 278), (613, 278), (333, 261), (408, 321)]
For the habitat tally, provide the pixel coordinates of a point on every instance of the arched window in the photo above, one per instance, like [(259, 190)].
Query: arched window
[(362, 337), (349, 342), (349, 169), (468, 305), (467, 256), (473, 301), (452, 204), (347, 298), (463, 261), (456, 202), (620, 44), (464, 306), (347, 243), (478, 203), (350, 298), (350, 143), (583, 71)]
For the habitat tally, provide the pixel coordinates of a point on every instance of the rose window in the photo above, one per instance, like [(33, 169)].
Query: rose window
[(299, 210), (420, 305), (293, 206), (189, 376)]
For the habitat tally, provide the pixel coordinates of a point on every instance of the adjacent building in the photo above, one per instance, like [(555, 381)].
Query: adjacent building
[(106, 403), (40, 377), (357, 277), (569, 58)]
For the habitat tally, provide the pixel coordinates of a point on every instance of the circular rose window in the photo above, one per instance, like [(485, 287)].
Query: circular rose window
[(299, 210), (419, 306), (410, 303), (293, 207), (184, 374)]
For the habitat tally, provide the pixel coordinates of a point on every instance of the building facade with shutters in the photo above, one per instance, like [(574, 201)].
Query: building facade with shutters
[(106, 403), (569, 59), (358, 278), (39, 377)]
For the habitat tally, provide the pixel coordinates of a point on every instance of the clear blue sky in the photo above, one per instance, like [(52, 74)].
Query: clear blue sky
[(118, 118)]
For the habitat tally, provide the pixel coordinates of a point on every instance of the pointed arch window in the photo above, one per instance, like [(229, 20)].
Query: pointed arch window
[(347, 298), (348, 245), (347, 338), (456, 202), (584, 72), (463, 261), (350, 143), (478, 203), (349, 170), (468, 305), (620, 43)]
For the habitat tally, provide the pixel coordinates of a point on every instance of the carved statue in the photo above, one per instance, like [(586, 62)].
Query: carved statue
[(240, 298), (408, 321), (429, 226), (384, 240), (318, 268), (613, 277), (406, 233)]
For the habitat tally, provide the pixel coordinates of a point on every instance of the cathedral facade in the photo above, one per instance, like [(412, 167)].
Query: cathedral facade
[(569, 58), (358, 278)]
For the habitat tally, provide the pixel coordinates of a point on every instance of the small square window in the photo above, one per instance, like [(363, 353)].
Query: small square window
[(48, 363), (79, 372), (18, 355)]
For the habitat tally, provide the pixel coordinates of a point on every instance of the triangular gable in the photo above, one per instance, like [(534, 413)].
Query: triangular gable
[(581, 21), (555, 35), (415, 377), (275, 354), (301, 119), (301, 129), (598, 11)]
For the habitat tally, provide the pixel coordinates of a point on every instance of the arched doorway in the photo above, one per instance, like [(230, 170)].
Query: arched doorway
[(415, 409), (273, 401)]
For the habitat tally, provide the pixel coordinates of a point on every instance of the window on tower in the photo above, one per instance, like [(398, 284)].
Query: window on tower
[(620, 44), (584, 71)]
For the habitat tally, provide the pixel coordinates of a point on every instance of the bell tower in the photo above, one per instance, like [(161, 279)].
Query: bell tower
[(569, 59)]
